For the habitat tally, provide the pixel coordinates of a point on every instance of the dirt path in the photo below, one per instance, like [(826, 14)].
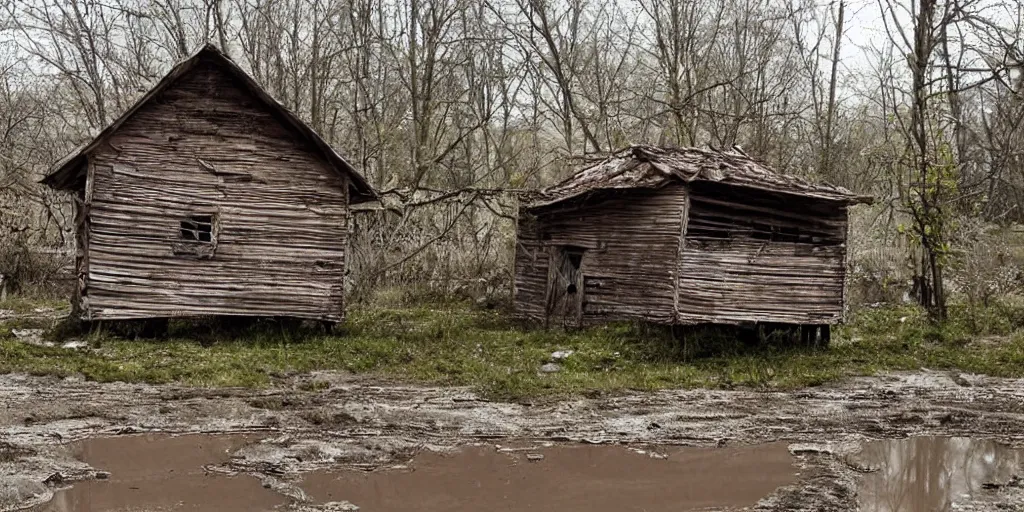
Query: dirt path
[(355, 423)]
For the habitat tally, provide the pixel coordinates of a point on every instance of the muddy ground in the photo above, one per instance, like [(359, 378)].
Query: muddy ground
[(321, 421)]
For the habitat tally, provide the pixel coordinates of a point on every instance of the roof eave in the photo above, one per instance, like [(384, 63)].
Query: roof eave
[(62, 174), (357, 195), (846, 199)]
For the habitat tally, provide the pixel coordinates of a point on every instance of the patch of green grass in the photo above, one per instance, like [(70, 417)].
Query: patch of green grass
[(457, 345), (24, 305)]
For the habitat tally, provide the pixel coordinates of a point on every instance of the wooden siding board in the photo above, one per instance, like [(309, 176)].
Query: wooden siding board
[(79, 299), (677, 265), (846, 261), (745, 279), (281, 211), (531, 270), (631, 242)]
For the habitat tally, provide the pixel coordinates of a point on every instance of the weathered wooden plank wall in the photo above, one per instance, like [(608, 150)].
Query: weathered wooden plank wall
[(755, 256), (78, 301), (631, 241), (532, 260), (207, 146)]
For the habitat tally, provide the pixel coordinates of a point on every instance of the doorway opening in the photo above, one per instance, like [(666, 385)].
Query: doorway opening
[(565, 287)]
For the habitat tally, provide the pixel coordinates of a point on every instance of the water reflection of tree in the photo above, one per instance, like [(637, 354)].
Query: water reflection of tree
[(928, 474)]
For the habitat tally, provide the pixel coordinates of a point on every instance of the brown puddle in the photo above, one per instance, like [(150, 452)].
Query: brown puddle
[(163, 473), (592, 478), (929, 474)]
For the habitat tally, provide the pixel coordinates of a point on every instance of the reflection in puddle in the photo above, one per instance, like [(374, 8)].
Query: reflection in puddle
[(165, 473), (591, 478), (160, 472), (929, 474)]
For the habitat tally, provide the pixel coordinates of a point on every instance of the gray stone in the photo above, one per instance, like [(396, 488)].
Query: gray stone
[(340, 506), (31, 336), (75, 344), (816, 448), (559, 355), (54, 479), (551, 368)]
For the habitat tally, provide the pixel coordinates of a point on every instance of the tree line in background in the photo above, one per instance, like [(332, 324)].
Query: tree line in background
[(450, 106)]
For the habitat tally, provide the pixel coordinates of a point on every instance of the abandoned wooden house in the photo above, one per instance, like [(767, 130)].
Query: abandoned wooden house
[(207, 198), (683, 236)]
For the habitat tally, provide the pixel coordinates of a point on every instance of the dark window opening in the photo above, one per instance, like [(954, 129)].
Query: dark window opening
[(762, 231), (572, 260), (789, 235), (709, 228), (704, 233), (197, 228), (575, 259)]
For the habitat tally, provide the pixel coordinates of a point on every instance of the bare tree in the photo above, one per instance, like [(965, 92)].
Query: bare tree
[(450, 105)]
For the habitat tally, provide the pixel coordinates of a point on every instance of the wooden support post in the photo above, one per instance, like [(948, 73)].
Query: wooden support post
[(329, 327), (826, 335)]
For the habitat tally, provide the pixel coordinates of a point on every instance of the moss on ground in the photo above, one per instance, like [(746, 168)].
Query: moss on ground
[(458, 345)]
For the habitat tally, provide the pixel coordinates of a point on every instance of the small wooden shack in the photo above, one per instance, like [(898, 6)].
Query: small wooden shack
[(206, 198), (683, 236)]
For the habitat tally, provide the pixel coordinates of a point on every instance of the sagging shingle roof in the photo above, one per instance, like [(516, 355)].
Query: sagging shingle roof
[(67, 172), (652, 167)]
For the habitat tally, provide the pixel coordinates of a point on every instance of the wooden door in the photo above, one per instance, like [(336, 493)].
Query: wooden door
[(565, 288)]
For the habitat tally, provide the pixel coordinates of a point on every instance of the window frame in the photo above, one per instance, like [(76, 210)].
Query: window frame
[(189, 238), (194, 225)]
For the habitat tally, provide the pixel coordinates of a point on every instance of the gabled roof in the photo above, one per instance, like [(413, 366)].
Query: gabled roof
[(652, 167), (65, 173)]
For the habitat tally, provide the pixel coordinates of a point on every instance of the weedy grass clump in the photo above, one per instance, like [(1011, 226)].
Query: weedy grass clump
[(459, 344), (25, 306)]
